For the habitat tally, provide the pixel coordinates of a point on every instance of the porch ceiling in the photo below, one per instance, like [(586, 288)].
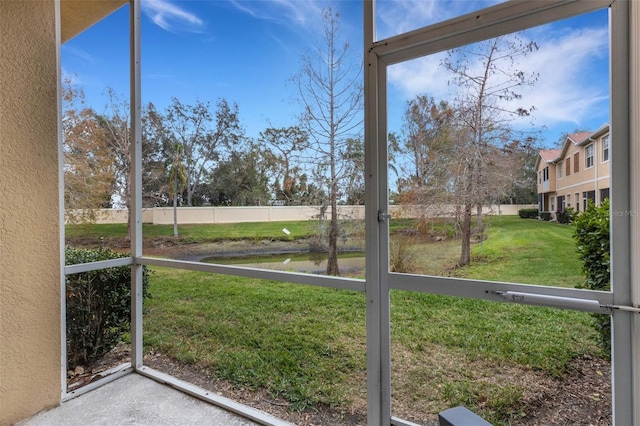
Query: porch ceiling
[(76, 16)]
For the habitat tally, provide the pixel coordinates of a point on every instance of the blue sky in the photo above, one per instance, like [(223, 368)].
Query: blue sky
[(247, 51)]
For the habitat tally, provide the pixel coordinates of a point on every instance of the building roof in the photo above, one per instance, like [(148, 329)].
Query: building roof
[(77, 16), (550, 155), (576, 138)]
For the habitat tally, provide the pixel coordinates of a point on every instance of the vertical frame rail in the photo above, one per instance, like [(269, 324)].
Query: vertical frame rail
[(377, 291), (136, 187), (63, 277), (634, 189), (623, 336)]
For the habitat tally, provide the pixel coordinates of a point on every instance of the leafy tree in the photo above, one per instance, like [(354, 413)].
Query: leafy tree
[(155, 177), (488, 84), (354, 180), (330, 91), (427, 127), (426, 152), (522, 158), (89, 175), (202, 135), (286, 146), (243, 179)]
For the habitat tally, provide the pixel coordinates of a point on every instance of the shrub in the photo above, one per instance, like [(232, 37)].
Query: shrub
[(592, 241), (528, 213), (98, 307), (545, 216), (401, 258), (566, 216)]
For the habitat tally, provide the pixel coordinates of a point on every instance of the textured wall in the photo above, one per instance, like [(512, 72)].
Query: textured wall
[(29, 242)]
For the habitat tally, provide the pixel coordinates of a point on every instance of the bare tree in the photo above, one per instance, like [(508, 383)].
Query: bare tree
[(488, 80), (115, 123), (330, 90)]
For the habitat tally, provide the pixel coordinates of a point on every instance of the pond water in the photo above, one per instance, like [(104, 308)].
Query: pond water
[(311, 263)]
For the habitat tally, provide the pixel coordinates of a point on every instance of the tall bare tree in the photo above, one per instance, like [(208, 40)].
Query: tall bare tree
[(488, 81), (330, 91)]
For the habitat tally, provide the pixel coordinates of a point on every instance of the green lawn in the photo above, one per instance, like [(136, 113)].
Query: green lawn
[(527, 251), (225, 231), (307, 344)]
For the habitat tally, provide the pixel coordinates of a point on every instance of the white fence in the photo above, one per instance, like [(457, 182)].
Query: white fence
[(200, 215)]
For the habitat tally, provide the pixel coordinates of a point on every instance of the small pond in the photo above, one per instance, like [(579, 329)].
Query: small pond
[(312, 262)]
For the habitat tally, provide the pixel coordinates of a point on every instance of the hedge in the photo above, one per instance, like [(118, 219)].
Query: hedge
[(528, 213), (592, 241), (98, 305)]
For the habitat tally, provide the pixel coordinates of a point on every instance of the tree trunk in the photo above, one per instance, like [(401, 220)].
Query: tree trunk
[(332, 261), (465, 252), (479, 221), (175, 215)]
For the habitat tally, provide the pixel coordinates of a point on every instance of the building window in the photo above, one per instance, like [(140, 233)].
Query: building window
[(559, 171), (577, 198), (586, 197), (605, 148), (560, 203), (568, 166), (589, 156), (545, 174), (604, 194), (576, 162), (568, 200)]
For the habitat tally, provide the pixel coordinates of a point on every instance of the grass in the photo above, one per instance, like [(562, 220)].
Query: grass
[(307, 344), (294, 341), (527, 251), (224, 231)]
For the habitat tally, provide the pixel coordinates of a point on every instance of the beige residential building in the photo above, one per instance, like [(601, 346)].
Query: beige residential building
[(577, 172)]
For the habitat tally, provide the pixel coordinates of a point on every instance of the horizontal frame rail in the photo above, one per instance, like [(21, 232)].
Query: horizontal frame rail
[(266, 274), (212, 398), (94, 266), (494, 291), (501, 19)]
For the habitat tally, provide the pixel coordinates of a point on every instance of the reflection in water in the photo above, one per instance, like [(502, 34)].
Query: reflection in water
[(311, 263)]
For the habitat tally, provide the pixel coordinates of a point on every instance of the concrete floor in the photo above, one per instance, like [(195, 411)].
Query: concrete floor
[(136, 400)]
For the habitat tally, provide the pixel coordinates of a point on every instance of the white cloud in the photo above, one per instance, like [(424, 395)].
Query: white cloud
[(399, 16), (171, 17), (282, 11), (420, 76), (572, 85), (571, 75)]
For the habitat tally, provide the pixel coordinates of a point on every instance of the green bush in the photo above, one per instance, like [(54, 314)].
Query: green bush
[(545, 216), (592, 240), (566, 216), (98, 307), (528, 213)]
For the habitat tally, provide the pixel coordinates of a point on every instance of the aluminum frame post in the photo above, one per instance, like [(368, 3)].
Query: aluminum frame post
[(136, 184)]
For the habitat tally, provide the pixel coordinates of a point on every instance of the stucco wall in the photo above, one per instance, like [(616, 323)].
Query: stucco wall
[(29, 242), (202, 215)]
